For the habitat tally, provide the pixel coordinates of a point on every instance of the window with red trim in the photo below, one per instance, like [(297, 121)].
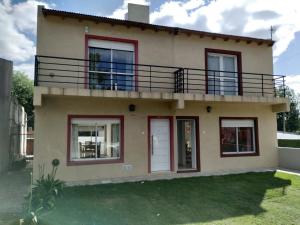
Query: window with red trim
[(238, 136), (95, 139)]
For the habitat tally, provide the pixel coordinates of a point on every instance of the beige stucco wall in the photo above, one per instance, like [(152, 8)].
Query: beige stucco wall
[(66, 38), (51, 135)]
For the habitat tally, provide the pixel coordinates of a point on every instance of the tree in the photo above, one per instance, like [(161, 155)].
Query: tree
[(22, 89), (292, 120)]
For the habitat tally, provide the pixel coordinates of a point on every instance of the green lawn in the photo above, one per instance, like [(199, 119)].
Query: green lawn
[(253, 198), (289, 143)]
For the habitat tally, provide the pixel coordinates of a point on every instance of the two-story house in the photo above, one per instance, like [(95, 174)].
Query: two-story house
[(123, 100)]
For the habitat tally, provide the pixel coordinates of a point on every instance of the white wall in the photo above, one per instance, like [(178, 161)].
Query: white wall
[(289, 158), (287, 135)]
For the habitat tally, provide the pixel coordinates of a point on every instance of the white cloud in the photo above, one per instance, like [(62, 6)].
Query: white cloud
[(27, 68), (239, 17), (120, 12), (18, 24), (293, 81)]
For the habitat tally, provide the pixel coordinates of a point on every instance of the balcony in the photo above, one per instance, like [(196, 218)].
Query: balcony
[(60, 75)]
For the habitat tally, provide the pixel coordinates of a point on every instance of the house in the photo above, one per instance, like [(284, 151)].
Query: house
[(120, 100), (13, 120)]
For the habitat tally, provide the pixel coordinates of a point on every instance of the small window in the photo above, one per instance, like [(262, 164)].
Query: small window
[(95, 139), (238, 137)]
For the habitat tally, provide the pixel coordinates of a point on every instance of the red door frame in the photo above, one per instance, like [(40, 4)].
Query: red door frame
[(105, 38), (170, 118)]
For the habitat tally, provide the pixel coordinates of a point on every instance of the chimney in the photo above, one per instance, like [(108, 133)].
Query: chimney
[(137, 13)]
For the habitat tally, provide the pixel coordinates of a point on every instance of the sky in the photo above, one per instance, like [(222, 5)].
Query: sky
[(239, 17)]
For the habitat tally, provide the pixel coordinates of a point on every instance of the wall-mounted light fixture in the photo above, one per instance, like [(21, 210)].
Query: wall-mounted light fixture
[(208, 109), (86, 29), (131, 108)]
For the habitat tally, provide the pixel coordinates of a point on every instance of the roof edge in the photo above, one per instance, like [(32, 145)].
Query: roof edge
[(143, 26)]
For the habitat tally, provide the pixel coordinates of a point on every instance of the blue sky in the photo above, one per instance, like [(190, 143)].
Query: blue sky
[(240, 17)]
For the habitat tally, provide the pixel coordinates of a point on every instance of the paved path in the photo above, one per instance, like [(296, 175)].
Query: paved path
[(294, 172), (14, 186)]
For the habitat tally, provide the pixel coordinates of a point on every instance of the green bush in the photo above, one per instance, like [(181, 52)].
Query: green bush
[(44, 194), (289, 143), (47, 189)]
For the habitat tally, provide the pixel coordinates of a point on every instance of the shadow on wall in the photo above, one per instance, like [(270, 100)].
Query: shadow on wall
[(178, 201)]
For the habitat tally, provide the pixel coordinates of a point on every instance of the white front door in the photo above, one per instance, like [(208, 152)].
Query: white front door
[(160, 144)]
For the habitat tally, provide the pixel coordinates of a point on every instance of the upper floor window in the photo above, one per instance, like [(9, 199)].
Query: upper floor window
[(222, 74), (111, 65)]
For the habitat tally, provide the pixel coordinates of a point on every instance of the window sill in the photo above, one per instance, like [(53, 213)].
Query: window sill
[(238, 154), (93, 162)]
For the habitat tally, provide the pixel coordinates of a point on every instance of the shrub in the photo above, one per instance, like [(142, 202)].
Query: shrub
[(47, 189), (292, 143), (44, 193)]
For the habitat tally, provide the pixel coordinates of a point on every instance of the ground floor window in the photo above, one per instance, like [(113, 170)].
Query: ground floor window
[(95, 138), (238, 136)]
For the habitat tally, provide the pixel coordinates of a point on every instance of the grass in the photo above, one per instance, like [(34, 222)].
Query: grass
[(289, 143), (253, 198)]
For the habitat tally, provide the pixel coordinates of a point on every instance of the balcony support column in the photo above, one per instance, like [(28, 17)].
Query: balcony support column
[(180, 103)]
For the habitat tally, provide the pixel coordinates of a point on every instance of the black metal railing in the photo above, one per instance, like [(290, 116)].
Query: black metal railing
[(103, 75)]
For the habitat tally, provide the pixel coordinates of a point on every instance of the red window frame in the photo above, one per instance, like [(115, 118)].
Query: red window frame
[(256, 153), (91, 162), (226, 52), (114, 39)]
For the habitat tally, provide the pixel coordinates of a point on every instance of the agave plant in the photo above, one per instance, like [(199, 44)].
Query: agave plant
[(46, 189)]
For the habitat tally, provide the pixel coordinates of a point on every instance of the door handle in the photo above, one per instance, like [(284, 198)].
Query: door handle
[(152, 144)]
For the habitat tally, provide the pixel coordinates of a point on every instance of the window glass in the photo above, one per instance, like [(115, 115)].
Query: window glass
[(228, 139), (229, 86), (245, 139), (95, 139), (122, 65), (223, 80), (237, 136), (111, 68), (213, 63), (213, 86), (228, 66), (100, 68)]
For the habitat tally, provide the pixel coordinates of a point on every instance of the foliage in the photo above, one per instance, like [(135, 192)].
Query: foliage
[(292, 118), (47, 189), (31, 218), (44, 194), (289, 143), (22, 89)]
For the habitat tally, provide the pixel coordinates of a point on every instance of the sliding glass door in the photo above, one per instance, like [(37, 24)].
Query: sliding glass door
[(187, 149), (222, 74)]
